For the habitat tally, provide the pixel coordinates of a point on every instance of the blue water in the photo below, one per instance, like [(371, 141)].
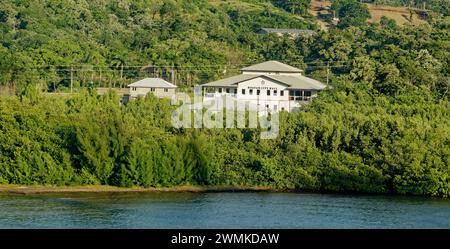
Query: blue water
[(221, 210)]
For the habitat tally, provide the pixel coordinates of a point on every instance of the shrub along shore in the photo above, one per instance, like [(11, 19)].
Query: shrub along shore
[(382, 127), (39, 189), (346, 140)]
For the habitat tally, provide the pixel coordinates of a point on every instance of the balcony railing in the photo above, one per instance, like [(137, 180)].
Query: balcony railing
[(300, 98), (215, 95)]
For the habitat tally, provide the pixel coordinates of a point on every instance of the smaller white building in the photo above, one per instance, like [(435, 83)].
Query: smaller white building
[(159, 87)]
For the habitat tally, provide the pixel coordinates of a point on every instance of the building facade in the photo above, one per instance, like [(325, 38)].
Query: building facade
[(271, 86), (159, 87)]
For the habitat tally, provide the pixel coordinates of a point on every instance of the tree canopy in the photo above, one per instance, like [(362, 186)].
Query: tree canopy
[(382, 126), (350, 13)]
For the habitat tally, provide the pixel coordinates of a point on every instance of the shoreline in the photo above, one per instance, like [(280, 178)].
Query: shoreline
[(40, 189)]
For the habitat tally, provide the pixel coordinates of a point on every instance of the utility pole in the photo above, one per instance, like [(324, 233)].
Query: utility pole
[(172, 74), (121, 74), (92, 77), (328, 71), (71, 79), (100, 78)]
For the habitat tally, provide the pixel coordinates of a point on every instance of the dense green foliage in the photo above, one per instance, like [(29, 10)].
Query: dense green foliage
[(294, 6), (382, 127), (92, 140), (350, 13), (439, 6), (351, 138), (107, 43)]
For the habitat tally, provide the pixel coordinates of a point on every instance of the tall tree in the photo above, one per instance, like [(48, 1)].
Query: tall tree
[(350, 13)]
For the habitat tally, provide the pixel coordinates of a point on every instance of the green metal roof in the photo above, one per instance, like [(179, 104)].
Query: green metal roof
[(152, 83), (291, 82), (229, 82), (298, 82), (272, 66)]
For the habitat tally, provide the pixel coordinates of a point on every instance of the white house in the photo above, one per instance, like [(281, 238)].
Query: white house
[(271, 85), (157, 86)]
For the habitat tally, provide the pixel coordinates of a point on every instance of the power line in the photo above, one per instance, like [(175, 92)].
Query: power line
[(311, 61), (91, 68)]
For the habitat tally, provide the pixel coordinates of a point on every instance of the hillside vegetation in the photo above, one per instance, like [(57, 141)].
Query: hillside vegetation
[(107, 43), (382, 127), (399, 13)]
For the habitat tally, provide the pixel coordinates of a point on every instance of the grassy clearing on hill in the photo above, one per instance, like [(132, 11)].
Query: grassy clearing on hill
[(321, 10), (399, 14)]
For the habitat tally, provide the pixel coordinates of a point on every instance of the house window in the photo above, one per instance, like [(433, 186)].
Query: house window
[(291, 95), (235, 91), (296, 95), (275, 93), (228, 90), (251, 91), (267, 106), (133, 89), (281, 93), (243, 91), (220, 90), (166, 90), (307, 95), (152, 89), (258, 92), (275, 107), (268, 92)]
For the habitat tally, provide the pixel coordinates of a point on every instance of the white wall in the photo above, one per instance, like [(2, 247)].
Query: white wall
[(274, 102), (159, 92)]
